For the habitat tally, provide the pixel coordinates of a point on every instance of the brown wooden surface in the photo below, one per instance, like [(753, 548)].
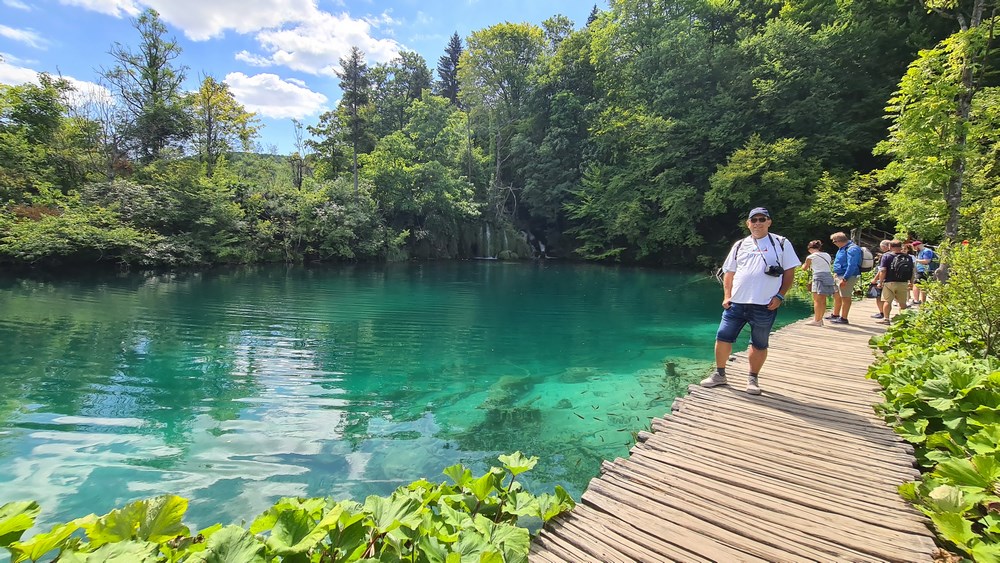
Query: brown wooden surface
[(804, 472)]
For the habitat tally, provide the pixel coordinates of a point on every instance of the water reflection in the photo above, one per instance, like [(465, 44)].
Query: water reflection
[(236, 387)]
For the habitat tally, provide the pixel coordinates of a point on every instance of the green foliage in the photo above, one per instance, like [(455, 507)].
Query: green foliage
[(941, 378), (475, 518)]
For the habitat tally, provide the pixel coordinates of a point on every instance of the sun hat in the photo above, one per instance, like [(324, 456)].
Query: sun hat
[(916, 243), (759, 211)]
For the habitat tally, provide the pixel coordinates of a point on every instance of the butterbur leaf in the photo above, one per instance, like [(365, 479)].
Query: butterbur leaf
[(946, 498), (986, 440), (459, 474), (565, 500), (40, 544), (984, 552), (483, 486), (516, 463), (389, 514), (961, 472), (987, 466), (954, 528), (491, 557), (162, 518), (292, 533), (117, 525), (913, 431), (118, 552), (231, 544), (15, 518)]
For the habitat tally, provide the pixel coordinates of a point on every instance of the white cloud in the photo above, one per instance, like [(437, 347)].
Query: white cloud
[(317, 45), (116, 8), (200, 20), (13, 74), (270, 96), (85, 91), (26, 36), (17, 5)]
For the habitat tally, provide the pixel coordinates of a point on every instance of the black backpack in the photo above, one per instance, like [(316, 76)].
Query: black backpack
[(900, 268)]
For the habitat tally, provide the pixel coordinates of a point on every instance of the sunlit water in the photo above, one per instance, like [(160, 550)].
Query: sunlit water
[(235, 388)]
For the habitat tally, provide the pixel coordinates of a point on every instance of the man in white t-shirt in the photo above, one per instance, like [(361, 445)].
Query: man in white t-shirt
[(757, 274)]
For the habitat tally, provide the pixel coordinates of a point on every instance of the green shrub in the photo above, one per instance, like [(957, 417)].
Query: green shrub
[(471, 519)]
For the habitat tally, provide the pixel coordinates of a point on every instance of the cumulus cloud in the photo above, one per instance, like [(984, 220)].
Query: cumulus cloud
[(270, 96), (84, 91), (26, 36), (116, 8), (316, 46), (200, 20)]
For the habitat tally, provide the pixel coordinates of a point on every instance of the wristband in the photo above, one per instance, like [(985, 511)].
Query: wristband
[(779, 296)]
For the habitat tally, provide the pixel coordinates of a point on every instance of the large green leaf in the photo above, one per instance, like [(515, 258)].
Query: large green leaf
[(986, 440), (15, 518), (231, 544), (117, 552), (117, 525), (40, 544), (389, 514), (954, 528), (984, 552), (295, 531), (947, 498), (484, 486), (516, 463), (163, 518), (459, 474), (961, 472)]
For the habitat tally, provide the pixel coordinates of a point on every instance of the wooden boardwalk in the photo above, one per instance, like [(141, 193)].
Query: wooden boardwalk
[(804, 472)]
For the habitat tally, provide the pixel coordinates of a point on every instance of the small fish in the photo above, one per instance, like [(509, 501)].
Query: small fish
[(581, 417), (602, 438), (596, 407), (595, 418)]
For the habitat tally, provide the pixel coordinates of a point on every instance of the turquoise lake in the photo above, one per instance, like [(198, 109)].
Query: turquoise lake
[(236, 387)]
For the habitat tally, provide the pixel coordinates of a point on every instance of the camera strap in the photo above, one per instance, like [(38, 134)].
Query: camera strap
[(777, 253)]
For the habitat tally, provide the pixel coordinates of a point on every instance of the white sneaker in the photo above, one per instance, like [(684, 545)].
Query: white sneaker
[(815, 323), (752, 387), (714, 380)]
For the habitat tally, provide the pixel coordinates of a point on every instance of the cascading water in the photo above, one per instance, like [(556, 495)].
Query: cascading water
[(489, 245)]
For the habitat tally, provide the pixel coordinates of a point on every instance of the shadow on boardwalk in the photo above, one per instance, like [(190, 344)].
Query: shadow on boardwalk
[(804, 472)]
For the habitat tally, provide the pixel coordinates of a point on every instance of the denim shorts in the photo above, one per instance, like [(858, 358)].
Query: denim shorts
[(738, 315)]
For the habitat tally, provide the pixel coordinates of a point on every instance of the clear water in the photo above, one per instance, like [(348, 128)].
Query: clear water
[(235, 388)]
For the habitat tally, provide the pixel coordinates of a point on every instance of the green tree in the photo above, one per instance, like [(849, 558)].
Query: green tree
[(447, 70), (221, 124), (936, 118), (149, 84), (356, 86)]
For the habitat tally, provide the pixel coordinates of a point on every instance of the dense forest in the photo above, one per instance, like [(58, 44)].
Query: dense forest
[(641, 136)]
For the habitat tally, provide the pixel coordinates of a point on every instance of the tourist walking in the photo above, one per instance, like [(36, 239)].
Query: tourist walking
[(758, 270), (883, 248), (846, 270), (822, 279), (896, 274), (926, 263)]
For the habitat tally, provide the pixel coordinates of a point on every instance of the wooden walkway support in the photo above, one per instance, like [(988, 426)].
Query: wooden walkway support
[(804, 472)]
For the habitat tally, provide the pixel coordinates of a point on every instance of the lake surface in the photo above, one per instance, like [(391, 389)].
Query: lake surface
[(234, 388)]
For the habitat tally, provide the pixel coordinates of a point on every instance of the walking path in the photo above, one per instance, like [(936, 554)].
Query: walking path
[(804, 472)]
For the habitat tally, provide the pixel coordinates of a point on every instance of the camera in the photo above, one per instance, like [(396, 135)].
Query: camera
[(774, 270)]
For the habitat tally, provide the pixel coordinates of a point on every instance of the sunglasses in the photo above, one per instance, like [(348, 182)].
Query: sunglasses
[(759, 219)]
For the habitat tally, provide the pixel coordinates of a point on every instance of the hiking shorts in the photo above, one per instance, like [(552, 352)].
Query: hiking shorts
[(823, 284), (846, 290), (739, 315), (895, 291)]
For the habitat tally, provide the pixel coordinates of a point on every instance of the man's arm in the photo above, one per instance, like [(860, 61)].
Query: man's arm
[(853, 259), (727, 288), (787, 279)]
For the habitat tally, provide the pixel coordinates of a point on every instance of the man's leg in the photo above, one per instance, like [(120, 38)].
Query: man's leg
[(838, 301), (757, 358), (723, 350), (845, 307)]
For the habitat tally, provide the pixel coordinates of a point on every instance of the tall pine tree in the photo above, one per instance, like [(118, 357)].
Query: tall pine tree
[(447, 69), (355, 84)]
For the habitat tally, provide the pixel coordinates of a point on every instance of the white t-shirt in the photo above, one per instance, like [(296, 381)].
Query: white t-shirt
[(749, 258), (820, 262)]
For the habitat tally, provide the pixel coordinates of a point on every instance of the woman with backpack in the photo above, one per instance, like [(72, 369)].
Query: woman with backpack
[(822, 279)]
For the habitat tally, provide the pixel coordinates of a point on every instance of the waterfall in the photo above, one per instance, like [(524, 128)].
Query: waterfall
[(489, 247), (506, 245)]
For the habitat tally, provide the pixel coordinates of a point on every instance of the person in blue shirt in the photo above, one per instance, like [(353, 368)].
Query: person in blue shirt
[(926, 264), (846, 270)]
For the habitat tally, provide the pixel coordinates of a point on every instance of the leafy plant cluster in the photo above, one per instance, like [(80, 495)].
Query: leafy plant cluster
[(941, 375), (471, 519)]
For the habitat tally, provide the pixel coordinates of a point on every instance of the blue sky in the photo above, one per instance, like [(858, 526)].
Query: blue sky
[(278, 56)]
